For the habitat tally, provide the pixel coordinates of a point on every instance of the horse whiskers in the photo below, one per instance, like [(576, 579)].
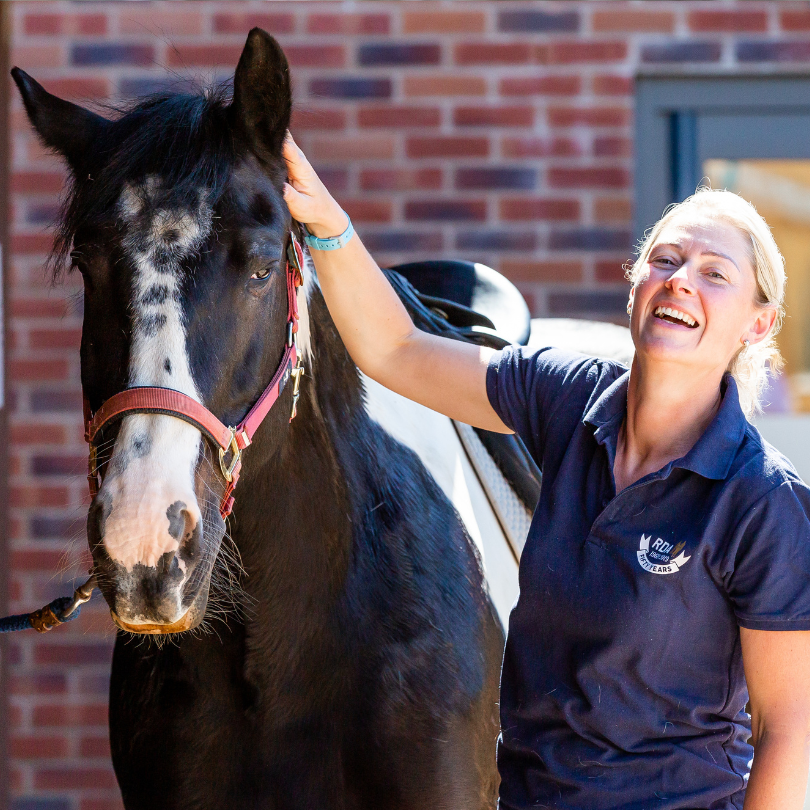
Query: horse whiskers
[(229, 552), (227, 573), (69, 561), (159, 640), (64, 566)]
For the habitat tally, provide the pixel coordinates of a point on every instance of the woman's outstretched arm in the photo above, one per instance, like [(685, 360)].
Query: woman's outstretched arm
[(445, 375)]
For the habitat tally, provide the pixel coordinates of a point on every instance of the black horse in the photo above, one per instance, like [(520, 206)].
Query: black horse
[(359, 667)]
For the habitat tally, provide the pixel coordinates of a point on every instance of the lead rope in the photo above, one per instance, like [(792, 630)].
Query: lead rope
[(61, 610)]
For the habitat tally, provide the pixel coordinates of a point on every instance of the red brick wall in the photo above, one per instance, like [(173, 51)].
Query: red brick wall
[(500, 132)]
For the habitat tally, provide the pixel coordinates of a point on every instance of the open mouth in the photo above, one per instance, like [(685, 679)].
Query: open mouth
[(675, 316)]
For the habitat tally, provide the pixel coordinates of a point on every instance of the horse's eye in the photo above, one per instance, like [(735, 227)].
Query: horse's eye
[(264, 273), (77, 261)]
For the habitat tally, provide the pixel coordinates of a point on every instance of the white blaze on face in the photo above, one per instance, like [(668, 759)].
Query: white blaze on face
[(154, 459)]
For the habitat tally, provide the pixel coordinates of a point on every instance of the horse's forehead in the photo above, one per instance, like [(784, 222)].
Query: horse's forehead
[(253, 191), (153, 220)]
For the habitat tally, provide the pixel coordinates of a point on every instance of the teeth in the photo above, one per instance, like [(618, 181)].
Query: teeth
[(674, 313)]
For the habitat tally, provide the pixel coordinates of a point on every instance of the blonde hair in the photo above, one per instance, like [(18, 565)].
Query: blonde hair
[(749, 367)]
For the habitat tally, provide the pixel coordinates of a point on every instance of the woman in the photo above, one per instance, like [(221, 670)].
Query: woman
[(665, 576)]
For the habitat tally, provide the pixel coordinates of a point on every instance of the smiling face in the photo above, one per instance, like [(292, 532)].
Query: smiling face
[(695, 298)]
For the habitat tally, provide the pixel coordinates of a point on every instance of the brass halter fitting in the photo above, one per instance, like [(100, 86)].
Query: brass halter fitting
[(296, 374), (45, 619), (227, 469)]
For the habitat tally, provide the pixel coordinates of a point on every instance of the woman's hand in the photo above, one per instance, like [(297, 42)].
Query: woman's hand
[(307, 197)]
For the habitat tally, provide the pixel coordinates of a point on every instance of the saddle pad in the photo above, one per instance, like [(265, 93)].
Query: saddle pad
[(512, 514)]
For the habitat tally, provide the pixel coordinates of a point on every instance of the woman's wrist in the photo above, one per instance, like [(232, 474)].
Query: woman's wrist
[(333, 224)]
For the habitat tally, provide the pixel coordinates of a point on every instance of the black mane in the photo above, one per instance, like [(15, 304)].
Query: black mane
[(186, 139)]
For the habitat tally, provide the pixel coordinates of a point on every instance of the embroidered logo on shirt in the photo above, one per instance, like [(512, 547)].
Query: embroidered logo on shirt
[(661, 557)]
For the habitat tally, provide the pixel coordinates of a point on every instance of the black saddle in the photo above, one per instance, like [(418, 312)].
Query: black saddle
[(475, 304), (475, 290)]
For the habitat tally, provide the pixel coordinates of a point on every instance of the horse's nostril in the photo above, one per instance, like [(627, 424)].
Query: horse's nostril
[(186, 528), (189, 540), (177, 514), (96, 517)]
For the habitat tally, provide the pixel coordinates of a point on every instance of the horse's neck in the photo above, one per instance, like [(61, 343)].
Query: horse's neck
[(294, 514)]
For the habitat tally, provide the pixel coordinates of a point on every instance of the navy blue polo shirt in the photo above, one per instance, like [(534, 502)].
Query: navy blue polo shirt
[(622, 685)]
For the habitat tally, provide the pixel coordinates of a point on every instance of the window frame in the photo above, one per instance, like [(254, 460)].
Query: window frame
[(683, 120)]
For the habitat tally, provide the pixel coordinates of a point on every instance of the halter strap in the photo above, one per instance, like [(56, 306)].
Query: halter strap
[(168, 402)]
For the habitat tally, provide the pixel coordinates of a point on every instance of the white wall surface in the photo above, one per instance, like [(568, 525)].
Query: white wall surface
[(790, 434)]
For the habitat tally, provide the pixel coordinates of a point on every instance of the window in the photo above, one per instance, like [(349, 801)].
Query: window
[(750, 135), (780, 190)]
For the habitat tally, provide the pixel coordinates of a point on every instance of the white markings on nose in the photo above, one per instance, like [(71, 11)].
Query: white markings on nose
[(154, 458)]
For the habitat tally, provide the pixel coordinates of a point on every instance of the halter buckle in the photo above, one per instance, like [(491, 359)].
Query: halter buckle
[(296, 375), (227, 469)]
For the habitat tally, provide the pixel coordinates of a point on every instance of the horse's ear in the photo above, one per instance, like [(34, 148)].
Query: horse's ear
[(65, 127), (262, 99)]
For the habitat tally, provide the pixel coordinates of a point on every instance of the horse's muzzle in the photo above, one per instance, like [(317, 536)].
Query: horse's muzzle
[(192, 617), (167, 593)]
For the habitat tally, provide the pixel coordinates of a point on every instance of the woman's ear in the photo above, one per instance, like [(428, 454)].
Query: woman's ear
[(761, 327)]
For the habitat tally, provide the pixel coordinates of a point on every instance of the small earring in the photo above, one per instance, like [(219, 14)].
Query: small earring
[(629, 308), (746, 344)]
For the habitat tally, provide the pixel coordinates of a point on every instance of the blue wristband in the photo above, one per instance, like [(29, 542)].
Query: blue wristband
[(333, 242)]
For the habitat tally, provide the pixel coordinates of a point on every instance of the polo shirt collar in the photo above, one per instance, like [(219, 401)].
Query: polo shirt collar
[(609, 410), (712, 454)]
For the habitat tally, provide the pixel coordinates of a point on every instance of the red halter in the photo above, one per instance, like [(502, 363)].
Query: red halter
[(173, 403)]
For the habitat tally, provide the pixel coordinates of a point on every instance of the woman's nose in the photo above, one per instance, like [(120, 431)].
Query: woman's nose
[(680, 281)]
